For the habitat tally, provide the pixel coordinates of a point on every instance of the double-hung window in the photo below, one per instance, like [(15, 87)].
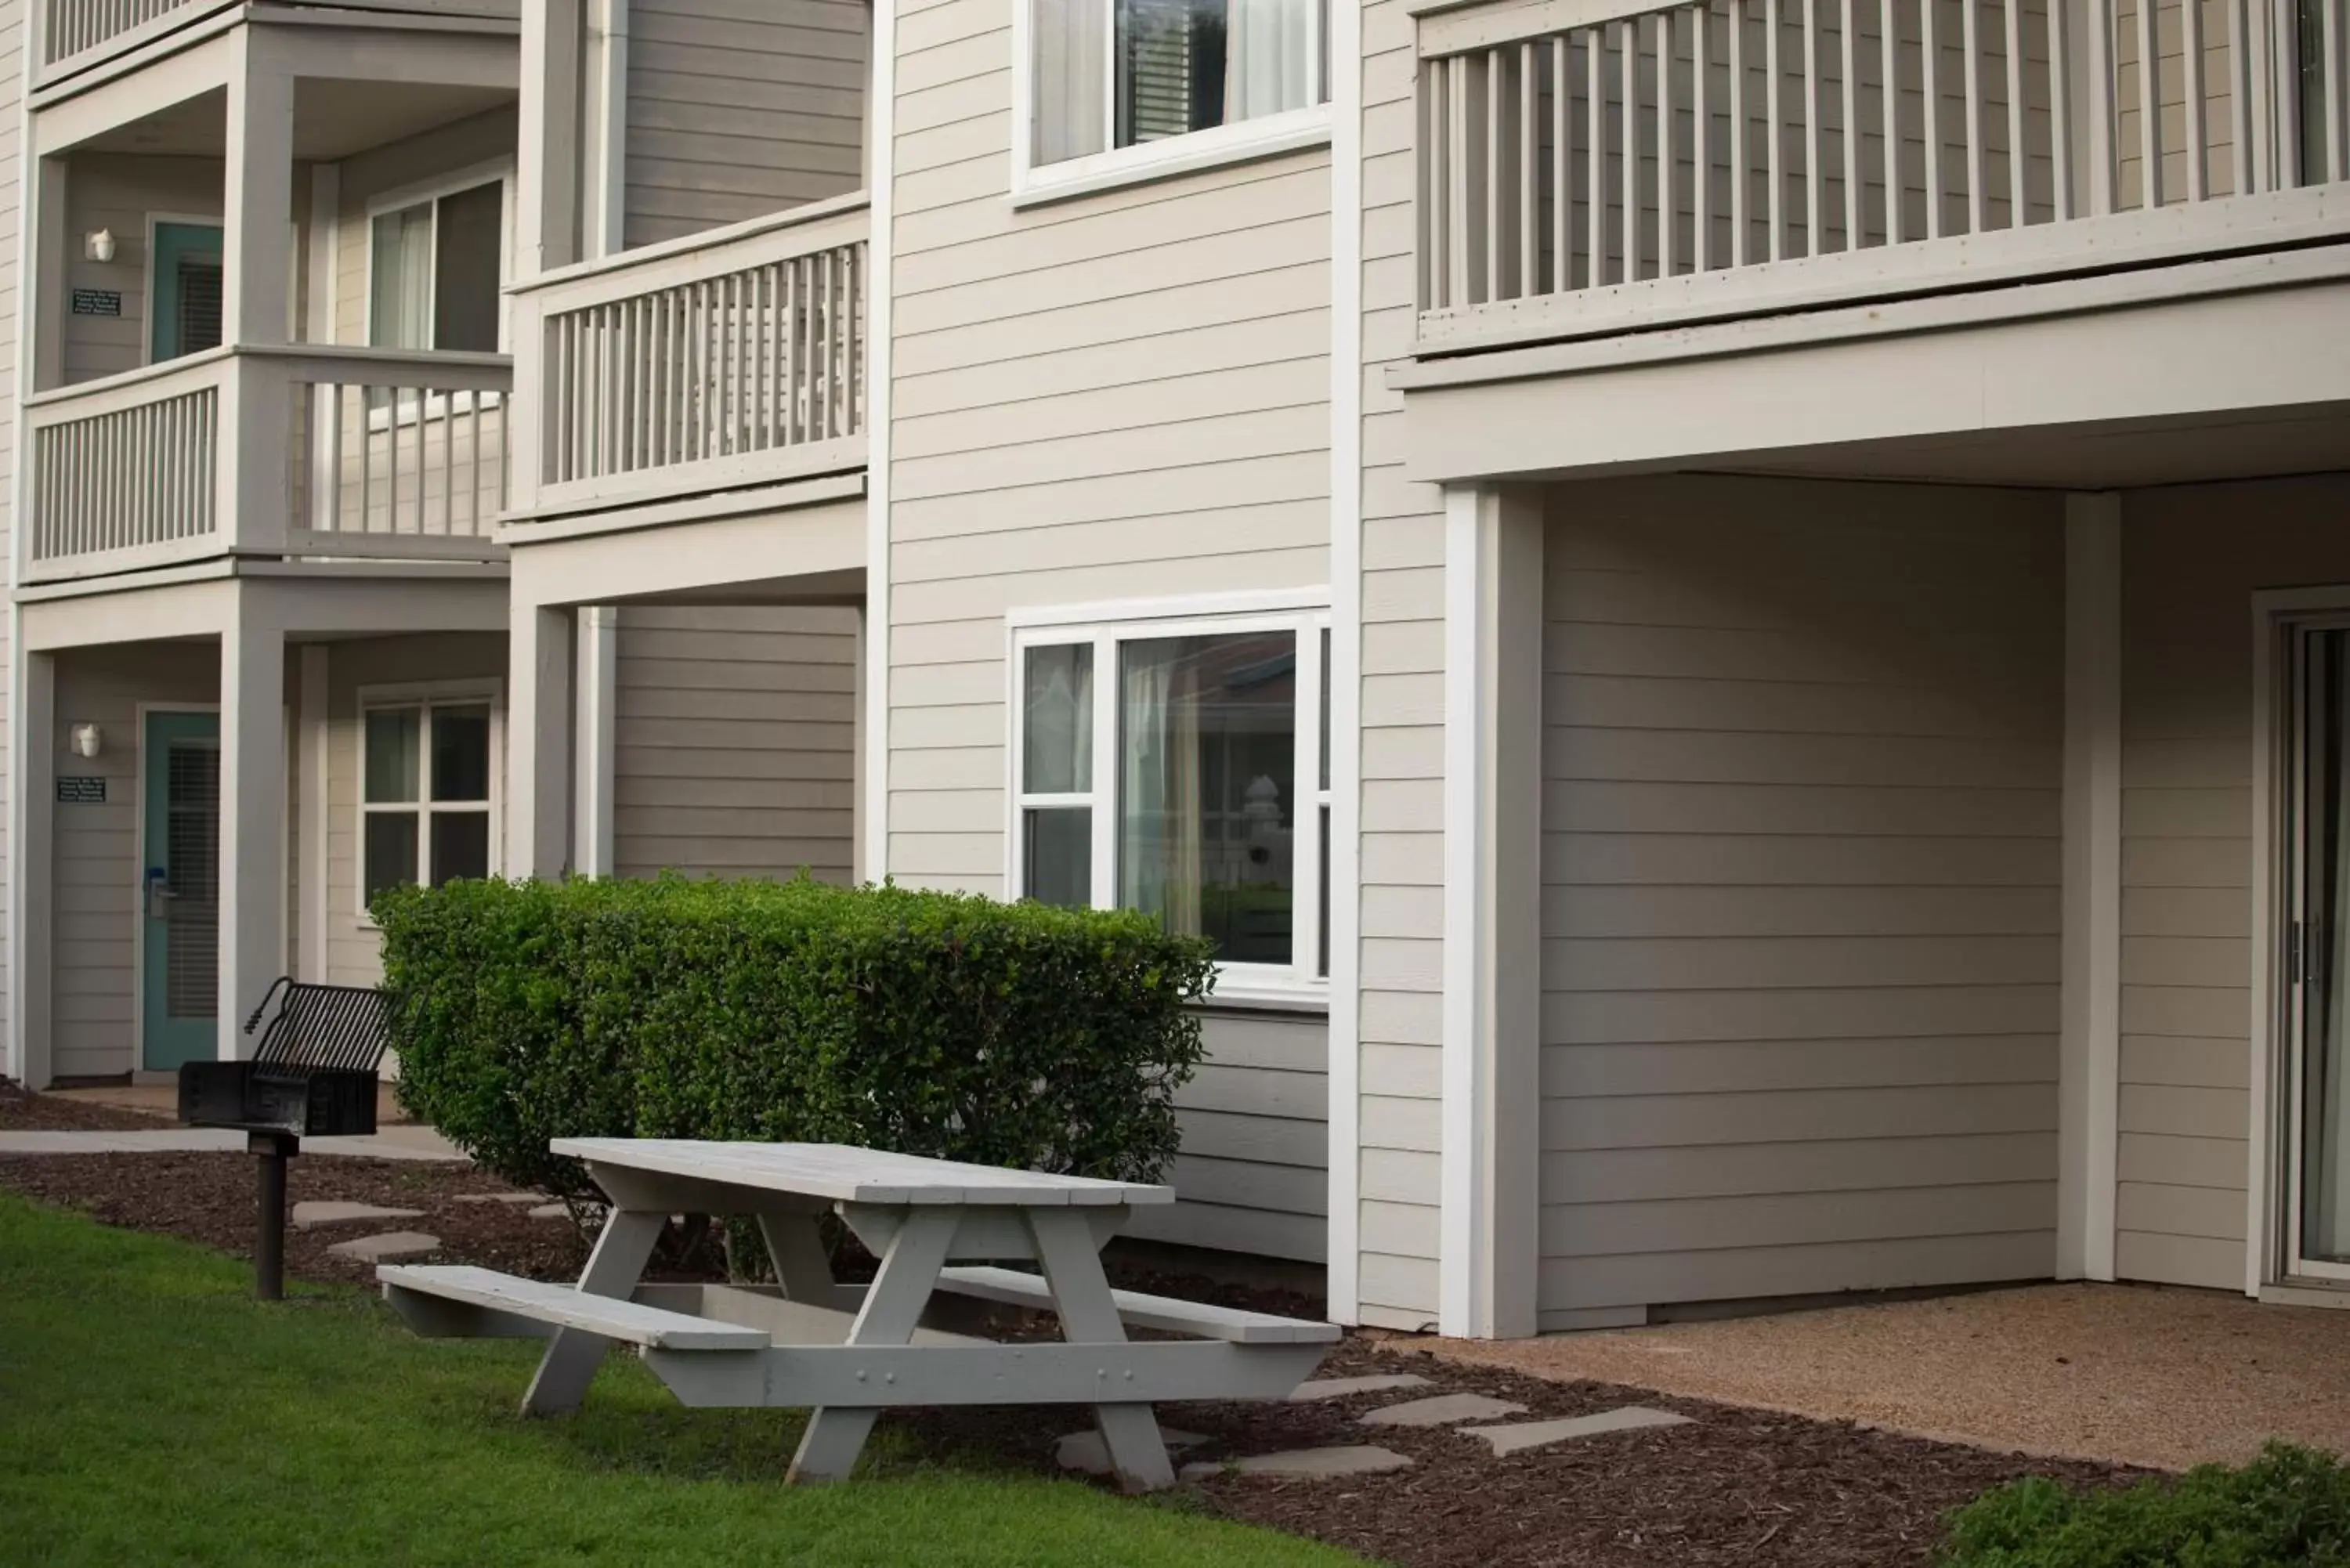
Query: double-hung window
[(1119, 88), (428, 800), (1181, 768)]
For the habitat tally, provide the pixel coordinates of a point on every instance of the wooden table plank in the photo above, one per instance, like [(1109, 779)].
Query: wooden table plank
[(844, 1174)]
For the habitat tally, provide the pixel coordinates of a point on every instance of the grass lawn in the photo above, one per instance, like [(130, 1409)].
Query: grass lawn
[(152, 1412)]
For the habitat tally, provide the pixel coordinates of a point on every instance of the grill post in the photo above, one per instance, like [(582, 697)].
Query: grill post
[(273, 1150)]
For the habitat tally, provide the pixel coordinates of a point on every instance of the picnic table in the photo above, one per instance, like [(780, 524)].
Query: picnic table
[(847, 1352)]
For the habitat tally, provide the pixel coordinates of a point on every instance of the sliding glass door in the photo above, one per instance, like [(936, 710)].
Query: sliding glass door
[(2317, 955)]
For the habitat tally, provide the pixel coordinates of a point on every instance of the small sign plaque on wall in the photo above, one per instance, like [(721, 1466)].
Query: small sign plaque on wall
[(98, 302), (81, 791)]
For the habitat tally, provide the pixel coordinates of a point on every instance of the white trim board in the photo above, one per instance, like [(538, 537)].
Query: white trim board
[(881, 122)]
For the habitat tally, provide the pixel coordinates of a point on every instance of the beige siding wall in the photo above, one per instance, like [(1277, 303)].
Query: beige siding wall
[(1402, 846), (419, 161), (1801, 889), (12, 64), (1252, 1173), (352, 943), (97, 851), (739, 108), (1118, 397), (121, 193), (2192, 555), (734, 741)]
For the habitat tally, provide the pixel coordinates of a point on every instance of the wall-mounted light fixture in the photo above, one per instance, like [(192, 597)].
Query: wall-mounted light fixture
[(98, 245), (88, 740)]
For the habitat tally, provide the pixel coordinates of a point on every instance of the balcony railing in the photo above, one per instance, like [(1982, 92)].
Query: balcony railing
[(79, 33), (270, 452), (1591, 165), (712, 362)]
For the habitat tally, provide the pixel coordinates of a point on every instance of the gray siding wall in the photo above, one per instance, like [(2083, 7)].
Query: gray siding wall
[(2192, 555), (1801, 870), (739, 108), (734, 741), (1402, 696), (95, 857), (120, 192), (12, 64), (1118, 397)]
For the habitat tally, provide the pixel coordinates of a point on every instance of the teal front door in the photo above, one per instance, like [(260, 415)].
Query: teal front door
[(179, 849), (187, 291)]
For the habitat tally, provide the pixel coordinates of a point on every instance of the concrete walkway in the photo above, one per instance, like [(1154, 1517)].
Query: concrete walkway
[(2136, 1373), (405, 1142)]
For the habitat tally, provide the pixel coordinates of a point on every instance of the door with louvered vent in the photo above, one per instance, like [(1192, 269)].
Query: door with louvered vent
[(179, 892), (184, 290)]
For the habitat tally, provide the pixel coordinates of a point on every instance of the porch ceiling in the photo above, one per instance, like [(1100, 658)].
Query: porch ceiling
[(332, 119)]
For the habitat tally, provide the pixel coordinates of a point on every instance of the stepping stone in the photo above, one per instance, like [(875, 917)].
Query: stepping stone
[(550, 1211), (1536, 1434), (391, 1247), (310, 1216), (1339, 1387), (1305, 1464), (499, 1198), (1442, 1409), (1084, 1450)]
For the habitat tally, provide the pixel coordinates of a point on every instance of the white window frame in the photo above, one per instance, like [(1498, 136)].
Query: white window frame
[(428, 695), (499, 171), (1296, 984), (1264, 137)]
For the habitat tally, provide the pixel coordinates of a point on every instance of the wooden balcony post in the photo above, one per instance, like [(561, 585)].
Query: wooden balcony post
[(257, 198), (32, 891), (548, 162), (539, 716)]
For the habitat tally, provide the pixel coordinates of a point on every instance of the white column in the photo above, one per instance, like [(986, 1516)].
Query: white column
[(256, 274), (546, 160), (1491, 1162), (2089, 1055), (599, 666), (252, 821), (51, 261), (318, 805), (538, 740), (604, 117), (32, 891)]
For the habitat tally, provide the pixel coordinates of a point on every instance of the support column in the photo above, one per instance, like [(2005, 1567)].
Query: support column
[(2089, 1065), (1490, 1163), (32, 887), (538, 740), (599, 666), (547, 137), (257, 406), (252, 821), (318, 760)]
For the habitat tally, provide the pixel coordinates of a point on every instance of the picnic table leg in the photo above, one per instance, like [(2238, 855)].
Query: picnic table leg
[(1072, 1259), (892, 1310), (795, 1247), (613, 1270)]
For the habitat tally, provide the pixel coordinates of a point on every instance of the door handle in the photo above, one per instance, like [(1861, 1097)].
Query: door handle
[(160, 893)]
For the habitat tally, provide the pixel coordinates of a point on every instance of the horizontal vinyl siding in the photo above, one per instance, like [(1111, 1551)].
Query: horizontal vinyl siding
[(1803, 784), (353, 945), (12, 76), (1123, 396), (739, 108), (366, 177), (2192, 556), (734, 735), (121, 192)]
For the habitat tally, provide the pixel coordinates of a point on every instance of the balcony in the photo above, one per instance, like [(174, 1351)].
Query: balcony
[(271, 452), (78, 34), (1589, 168), (717, 362)]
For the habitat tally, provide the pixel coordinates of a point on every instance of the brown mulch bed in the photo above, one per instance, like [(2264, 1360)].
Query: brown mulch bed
[(1738, 1486), (23, 1112)]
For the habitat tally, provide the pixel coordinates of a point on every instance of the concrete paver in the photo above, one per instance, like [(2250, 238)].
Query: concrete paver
[(1084, 1451), (1314, 1388), (2146, 1374), (1524, 1435), (391, 1247), (311, 1214), (1307, 1464), (1442, 1409)]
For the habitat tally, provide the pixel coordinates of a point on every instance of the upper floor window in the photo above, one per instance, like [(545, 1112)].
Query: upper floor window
[(435, 268), (1121, 88)]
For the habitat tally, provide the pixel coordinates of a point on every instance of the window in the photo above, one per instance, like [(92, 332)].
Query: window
[(1109, 78), (1183, 769), (435, 267), (427, 804)]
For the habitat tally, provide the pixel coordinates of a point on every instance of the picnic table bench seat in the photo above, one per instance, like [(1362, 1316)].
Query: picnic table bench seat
[(1163, 1314)]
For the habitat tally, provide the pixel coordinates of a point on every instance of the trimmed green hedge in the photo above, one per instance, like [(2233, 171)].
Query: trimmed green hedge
[(932, 1024), (2288, 1508)]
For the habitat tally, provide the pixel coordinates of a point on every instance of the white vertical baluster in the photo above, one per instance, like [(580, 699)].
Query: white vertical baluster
[(2240, 95), (1561, 168), (1738, 130), (473, 472), (1460, 265), (1978, 154), (1628, 34), (2018, 166), (1498, 197), (1930, 84), (1701, 133), (1773, 128), (1815, 183), (1889, 111), (1595, 50), (2149, 110), (2060, 107), (2104, 106), (1529, 173), (1435, 201), (2199, 131), (2330, 36), (1668, 212), (1852, 224), (449, 456)]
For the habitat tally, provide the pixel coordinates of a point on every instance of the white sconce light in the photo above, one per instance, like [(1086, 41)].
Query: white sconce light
[(88, 740), (98, 245)]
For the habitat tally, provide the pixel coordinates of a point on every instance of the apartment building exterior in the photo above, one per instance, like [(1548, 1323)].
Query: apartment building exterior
[(1732, 611)]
